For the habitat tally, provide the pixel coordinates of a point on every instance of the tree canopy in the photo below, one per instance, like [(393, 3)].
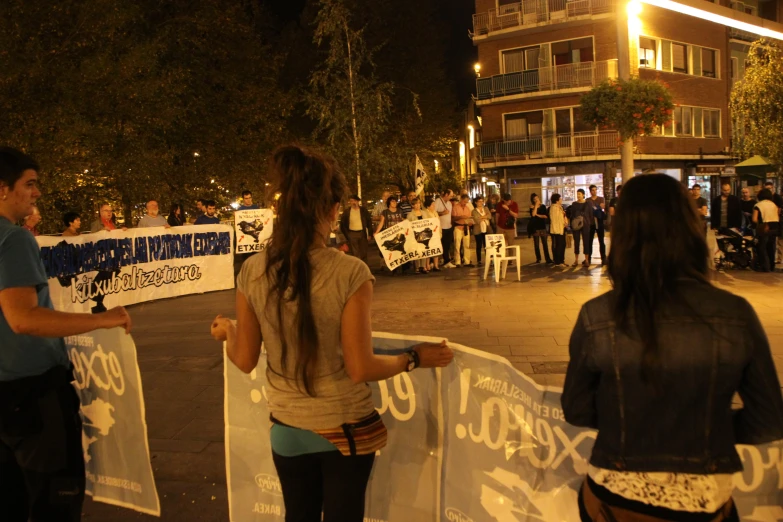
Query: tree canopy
[(757, 103), (128, 101)]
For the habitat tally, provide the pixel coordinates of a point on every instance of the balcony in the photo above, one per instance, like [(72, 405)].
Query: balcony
[(576, 145), (537, 82), (529, 13)]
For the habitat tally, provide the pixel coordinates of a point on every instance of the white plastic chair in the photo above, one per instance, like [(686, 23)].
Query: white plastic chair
[(498, 253)]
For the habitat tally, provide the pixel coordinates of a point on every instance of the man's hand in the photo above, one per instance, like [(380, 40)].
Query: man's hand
[(117, 316)]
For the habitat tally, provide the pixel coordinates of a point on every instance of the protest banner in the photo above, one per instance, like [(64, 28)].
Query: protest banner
[(114, 437), (93, 272), (421, 176), (397, 244), (499, 445), (253, 228), (496, 245), (428, 237)]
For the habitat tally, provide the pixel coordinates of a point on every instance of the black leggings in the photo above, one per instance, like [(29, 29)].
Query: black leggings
[(328, 481), (481, 242)]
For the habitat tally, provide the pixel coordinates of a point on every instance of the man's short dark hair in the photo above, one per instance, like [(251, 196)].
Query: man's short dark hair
[(246, 193), (581, 191), (696, 186), (13, 163), (618, 188), (764, 195), (506, 196), (390, 199), (769, 184), (464, 196), (70, 217), (355, 197), (591, 187), (210, 203), (202, 201), (555, 198), (428, 201)]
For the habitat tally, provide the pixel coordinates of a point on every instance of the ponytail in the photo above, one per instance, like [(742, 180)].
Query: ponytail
[(310, 185)]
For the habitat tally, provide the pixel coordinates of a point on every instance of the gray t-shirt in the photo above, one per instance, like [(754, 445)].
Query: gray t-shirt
[(336, 277), (148, 221)]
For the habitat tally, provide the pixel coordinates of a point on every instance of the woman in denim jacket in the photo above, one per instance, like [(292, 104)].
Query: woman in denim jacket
[(655, 364)]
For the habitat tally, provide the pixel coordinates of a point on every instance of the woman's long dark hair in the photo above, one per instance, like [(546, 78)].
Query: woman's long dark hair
[(310, 185), (657, 238)]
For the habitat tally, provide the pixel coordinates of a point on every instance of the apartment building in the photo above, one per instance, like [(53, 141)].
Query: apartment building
[(537, 57)]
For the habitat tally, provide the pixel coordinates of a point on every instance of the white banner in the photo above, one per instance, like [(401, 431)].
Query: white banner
[(94, 272), (496, 245), (421, 176), (253, 228), (477, 441), (116, 450), (409, 240)]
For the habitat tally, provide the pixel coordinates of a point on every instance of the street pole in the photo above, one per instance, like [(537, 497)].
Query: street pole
[(624, 72)]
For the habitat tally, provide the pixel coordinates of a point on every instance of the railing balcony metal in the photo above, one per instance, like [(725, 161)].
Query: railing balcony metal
[(531, 12), (578, 144), (559, 77)]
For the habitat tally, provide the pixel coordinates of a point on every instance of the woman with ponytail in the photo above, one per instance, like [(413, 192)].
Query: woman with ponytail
[(310, 305), (655, 364)]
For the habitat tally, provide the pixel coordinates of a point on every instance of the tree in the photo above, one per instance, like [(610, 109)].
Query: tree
[(128, 101), (757, 103), (631, 107), (349, 104)]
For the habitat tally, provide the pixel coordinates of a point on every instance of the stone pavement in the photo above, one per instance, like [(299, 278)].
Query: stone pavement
[(529, 322)]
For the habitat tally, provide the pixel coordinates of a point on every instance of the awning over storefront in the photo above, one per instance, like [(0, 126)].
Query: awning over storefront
[(756, 166)]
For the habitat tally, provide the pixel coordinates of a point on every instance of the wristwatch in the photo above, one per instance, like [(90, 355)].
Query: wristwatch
[(413, 360)]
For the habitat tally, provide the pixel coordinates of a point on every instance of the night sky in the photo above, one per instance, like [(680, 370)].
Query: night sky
[(462, 53)]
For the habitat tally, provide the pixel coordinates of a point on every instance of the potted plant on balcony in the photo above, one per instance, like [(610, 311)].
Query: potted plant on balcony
[(630, 108)]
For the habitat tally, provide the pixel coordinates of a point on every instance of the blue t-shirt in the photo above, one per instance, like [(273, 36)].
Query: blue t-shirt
[(21, 266), (206, 220), (249, 207)]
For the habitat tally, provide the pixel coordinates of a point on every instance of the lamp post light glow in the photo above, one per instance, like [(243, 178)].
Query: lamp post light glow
[(471, 136), (477, 68)]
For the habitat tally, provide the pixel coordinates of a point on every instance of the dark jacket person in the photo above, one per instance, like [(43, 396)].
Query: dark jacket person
[(655, 364), (726, 210)]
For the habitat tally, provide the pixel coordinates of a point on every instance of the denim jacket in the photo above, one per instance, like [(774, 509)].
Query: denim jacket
[(711, 345)]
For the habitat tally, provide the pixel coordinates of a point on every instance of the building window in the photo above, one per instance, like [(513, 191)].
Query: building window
[(734, 64), (711, 123), (683, 120), (647, 52), (524, 124), (680, 58), (573, 51), (518, 60), (708, 63)]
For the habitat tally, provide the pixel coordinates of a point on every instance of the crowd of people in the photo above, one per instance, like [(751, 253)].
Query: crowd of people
[(204, 213)]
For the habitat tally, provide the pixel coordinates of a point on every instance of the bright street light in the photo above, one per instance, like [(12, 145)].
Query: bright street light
[(634, 8), (196, 154), (212, 181), (477, 68)]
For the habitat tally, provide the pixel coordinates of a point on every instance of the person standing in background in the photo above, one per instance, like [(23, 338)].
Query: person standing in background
[(746, 204), (31, 222), (580, 214), (506, 216), (431, 263), (701, 204), (462, 223), (557, 229), (597, 225), (443, 207), (726, 210), (152, 218), (210, 218), (247, 201), (72, 222), (613, 205), (492, 205), (766, 217), (481, 225), (175, 215), (538, 219), (405, 205), (356, 226)]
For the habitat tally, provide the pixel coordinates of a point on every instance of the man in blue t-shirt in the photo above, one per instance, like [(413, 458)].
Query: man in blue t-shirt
[(247, 201), (40, 426), (209, 218)]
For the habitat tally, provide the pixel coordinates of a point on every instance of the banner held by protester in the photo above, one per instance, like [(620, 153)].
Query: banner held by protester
[(114, 437), (428, 237), (95, 272), (253, 229), (501, 448), (397, 244), (421, 176)]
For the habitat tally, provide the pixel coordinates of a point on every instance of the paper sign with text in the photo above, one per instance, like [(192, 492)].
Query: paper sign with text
[(114, 437), (428, 237), (253, 229), (95, 272), (398, 244)]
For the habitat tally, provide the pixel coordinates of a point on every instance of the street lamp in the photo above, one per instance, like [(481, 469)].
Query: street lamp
[(196, 154), (477, 68)]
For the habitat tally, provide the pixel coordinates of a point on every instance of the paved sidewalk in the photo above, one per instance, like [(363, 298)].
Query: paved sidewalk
[(529, 322)]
